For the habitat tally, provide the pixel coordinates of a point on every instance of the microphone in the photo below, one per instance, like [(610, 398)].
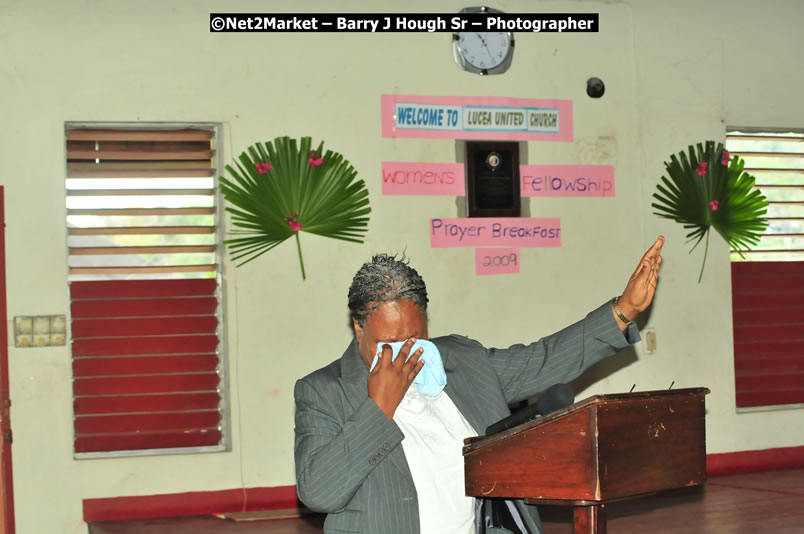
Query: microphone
[(554, 398)]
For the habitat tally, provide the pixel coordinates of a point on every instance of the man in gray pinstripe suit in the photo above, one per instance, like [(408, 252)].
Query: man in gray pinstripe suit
[(350, 458)]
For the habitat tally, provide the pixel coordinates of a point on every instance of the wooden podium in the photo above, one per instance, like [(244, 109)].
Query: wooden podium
[(603, 449)]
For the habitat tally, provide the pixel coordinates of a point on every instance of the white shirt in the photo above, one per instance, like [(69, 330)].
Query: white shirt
[(434, 432)]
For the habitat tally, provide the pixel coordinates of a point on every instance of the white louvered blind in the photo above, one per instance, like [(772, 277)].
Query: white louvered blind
[(777, 162), (141, 202)]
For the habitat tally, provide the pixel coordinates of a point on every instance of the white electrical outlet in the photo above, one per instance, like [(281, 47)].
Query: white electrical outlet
[(39, 330), (650, 340)]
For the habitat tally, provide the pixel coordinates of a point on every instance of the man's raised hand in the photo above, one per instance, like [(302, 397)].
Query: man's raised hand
[(641, 287)]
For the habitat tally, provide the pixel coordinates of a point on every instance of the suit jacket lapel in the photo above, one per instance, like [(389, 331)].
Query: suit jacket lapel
[(354, 378), (460, 389), (354, 375)]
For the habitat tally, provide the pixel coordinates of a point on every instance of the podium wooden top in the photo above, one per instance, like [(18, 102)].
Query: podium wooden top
[(601, 449), (474, 443)]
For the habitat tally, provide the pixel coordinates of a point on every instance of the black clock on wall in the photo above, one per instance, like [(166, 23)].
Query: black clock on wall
[(483, 52)]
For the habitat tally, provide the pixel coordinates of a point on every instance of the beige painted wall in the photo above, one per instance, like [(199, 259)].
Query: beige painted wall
[(676, 72)]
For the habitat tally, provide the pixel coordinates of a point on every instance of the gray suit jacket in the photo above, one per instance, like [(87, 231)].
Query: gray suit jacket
[(349, 462)]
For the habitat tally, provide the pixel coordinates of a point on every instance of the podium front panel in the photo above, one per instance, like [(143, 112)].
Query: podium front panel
[(650, 444), (553, 460)]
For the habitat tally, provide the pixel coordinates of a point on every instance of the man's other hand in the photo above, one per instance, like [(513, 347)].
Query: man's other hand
[(389, 380), (639, 291)]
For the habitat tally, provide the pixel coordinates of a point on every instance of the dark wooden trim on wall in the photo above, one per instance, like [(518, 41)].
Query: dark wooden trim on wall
[(284, 497), (751, 461), (192, 503)]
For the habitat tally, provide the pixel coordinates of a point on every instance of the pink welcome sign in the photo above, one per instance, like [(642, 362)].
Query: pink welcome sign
[(470, 117), (407, 178), (495, 231), (496, 261), (566, 180)]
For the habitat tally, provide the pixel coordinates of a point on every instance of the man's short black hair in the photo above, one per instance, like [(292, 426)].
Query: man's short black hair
[(385, 279)]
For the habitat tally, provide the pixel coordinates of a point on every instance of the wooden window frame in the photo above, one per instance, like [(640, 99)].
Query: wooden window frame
[(224, 404), (768, 305)]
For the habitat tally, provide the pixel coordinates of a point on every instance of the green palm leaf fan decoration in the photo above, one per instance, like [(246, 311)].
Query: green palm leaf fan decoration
[(281, 188), (708, 189)]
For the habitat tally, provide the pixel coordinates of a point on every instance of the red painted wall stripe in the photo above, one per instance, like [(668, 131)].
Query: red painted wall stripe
[(142, 288), (146, 403), (769, 398), (781, 299), (103, 309), (284, 497), (194, 503), (7, 524), (763, 284), (769, 333), (135, 442), (751, 318), (778, 382), (752, 461), (145, 364), (135, 423), (757, 354), (124, 385), (119, 366), (768, 312), (768, 349), (82, 328), (758, 269), (136, 346), (751, 366)]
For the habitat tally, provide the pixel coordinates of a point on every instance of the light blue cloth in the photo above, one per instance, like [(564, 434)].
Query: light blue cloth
[(432, 378)]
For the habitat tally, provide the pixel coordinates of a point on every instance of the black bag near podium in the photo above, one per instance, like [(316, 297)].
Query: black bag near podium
[(498, 516)]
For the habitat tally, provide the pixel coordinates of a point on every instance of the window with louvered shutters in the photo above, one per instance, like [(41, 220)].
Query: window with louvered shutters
[(145, 288), (768, 286)]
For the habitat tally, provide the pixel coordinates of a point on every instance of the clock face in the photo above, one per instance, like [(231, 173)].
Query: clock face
[(485, 51)]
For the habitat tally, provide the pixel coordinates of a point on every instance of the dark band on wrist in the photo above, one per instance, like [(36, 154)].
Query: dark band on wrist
[(619, 312)]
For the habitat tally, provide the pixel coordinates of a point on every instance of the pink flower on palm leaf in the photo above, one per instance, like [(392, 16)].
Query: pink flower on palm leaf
[(293, 221), (314, 161), (701, 170), (262, 168)]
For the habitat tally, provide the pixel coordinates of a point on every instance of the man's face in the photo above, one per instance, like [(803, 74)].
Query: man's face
[(391, 321)]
